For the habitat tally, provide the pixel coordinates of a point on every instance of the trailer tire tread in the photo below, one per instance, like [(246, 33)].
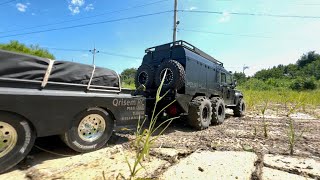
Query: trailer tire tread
[(25, 140)]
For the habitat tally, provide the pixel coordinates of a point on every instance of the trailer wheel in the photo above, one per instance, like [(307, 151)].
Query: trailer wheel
[(200, 112), (219, 110), (16, 140), (240, 108), (145, 76), (90, 131), (175, 76)]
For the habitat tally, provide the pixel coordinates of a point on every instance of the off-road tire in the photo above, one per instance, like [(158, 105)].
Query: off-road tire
[(175, 77), (82, 142), (200, 113), (240, 108), (145, 76), (219, 110), (14, 127)]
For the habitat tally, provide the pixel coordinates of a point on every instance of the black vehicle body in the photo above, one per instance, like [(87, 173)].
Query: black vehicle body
[(50, 101), (52, 110), (204, 75), (41, 97)]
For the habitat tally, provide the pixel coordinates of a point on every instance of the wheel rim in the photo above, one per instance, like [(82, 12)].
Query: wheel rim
[(169, 76), (8, 138), (143, 77), (243, 107), (220, 111), (205, 114), (91, 127)]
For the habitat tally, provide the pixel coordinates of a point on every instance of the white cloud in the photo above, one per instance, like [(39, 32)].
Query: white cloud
[(225, 17), (74, 9), (89, 7), (78, 3), (22, 7), (33, 14), (76, 6)]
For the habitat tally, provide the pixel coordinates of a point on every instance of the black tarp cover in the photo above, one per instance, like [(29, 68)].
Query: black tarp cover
[(22, 66)]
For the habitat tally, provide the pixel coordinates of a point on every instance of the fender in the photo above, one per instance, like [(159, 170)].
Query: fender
[(238, 96)]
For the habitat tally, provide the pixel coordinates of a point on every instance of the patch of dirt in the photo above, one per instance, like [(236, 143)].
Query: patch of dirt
[(247, 133), (235, 134)]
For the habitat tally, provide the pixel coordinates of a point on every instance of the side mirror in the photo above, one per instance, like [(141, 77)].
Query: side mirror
[(235, 83)]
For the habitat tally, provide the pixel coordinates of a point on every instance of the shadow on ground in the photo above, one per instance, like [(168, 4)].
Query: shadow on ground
[(52, 147)]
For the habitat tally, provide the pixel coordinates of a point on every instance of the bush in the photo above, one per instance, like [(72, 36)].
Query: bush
[(297, 84), (255, 84), (300, 84), (35, 50), (278, 83)]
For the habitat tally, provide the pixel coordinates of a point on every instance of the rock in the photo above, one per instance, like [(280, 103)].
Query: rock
[(14, 175), (307, 166), (167, 152), (271, 174), (303, 116), (213, 165)]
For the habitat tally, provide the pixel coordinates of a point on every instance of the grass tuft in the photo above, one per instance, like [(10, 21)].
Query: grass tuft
[(144, 138)]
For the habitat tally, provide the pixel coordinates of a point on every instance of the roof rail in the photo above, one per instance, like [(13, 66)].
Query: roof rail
[(189, 47)]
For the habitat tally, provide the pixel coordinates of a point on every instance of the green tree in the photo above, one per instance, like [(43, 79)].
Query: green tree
[(291, 70), (312, 69), (128, 76), (35, 50), (129, 73), (240, 77), (308, 58)]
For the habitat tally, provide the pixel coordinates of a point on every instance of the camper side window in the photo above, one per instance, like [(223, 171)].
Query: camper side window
[(218, 77), (229, 79), (223, 78)]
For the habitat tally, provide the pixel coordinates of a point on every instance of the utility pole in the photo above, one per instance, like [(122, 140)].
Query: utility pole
[(244, 68), (94, 52), (175, 21)]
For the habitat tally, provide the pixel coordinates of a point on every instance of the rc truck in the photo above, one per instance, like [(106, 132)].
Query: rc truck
[(202, 87), (41, 97)]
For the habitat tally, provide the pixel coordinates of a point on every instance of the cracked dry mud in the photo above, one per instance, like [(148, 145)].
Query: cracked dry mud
[(237, 149)]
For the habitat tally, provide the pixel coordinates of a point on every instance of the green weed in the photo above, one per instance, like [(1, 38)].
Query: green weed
[(265, 124), (292, 134), (146, 137)]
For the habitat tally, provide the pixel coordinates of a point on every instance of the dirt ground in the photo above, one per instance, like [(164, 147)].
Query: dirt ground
[(235, 134), (247, 133)]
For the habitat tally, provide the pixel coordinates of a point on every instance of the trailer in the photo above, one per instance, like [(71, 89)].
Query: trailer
[(39, 97)]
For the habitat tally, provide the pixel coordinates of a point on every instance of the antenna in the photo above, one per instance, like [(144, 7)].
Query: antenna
[(175, 20)]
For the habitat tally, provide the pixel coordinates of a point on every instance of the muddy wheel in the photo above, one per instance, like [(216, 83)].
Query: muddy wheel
[(90, 131), (175, 76), (16, 140), (219, 110), (145, 76), (200, 112), (240, 109)]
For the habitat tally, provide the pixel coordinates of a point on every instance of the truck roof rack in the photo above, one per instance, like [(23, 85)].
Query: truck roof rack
[(187, 46)]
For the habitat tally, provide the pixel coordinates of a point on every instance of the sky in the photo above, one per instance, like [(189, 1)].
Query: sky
[(70, 28)]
